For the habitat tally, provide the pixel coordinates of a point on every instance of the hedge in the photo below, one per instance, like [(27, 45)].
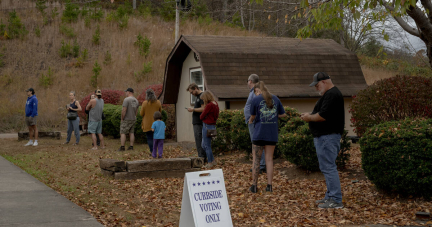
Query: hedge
[(391, 99), (397, 156), (111, 124), (295, 139), (297, 147)]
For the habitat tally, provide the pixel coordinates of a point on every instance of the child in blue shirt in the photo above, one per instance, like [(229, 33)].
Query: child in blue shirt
[(158, 127)]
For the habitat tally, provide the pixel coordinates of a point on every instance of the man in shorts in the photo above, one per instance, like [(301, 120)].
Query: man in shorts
[(31, 112), (95, 108), (128, 119)]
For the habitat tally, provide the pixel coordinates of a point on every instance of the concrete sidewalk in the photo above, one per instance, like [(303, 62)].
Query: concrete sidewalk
[(25, 201)]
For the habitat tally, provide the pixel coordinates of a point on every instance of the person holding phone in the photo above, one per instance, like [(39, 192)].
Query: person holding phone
[(196, 121)]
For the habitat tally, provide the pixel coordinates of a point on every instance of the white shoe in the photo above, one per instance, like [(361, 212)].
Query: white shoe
[(35, 144), (29, 144)]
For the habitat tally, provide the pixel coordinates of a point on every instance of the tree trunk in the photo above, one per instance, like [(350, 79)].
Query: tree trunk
[(224, 10)]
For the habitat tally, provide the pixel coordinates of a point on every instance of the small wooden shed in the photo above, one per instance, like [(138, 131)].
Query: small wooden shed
[(222, 65)]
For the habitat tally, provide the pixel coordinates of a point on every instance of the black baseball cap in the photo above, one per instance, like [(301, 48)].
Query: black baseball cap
[(129, 90), (31, 89), (318, 77)]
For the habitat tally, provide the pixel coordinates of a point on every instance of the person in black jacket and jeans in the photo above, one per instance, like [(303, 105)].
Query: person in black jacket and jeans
[(327, 122)]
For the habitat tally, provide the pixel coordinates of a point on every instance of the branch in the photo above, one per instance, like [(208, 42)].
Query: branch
[(427, 4), (405, 26)]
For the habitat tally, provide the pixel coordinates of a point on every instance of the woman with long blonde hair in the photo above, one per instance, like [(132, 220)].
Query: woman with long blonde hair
[(209, 117), (265, 109)]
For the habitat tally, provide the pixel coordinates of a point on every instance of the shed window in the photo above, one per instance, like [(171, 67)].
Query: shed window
[(196, 77)]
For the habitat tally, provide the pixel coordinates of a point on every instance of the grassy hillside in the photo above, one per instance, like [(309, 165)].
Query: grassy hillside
[(27, 60)]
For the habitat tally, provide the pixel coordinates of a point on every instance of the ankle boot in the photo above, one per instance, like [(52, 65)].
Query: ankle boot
[(253, 189), (269, 188)]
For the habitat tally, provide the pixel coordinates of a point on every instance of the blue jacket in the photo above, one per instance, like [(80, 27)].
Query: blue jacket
[(248, 105), (31, 108)]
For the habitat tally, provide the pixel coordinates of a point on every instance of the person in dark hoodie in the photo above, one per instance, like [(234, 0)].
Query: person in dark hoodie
[(31, 112)]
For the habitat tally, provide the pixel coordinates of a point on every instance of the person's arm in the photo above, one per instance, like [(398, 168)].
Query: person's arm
[(90, 104), (311, 117), (251, 119), (142, 113), (153, 127), (78, 106), (282, 115), (34, 108), (123, 113), (199, 110), (205, 112)]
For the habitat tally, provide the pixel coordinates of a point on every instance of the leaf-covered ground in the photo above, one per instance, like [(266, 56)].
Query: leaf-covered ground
[(74, 172)]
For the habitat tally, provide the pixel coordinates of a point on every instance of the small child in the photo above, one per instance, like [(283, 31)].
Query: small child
[(158, 127)]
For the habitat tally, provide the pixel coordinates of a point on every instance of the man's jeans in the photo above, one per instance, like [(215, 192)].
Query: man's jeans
[(198, 140), (251, 132), (327, 149)]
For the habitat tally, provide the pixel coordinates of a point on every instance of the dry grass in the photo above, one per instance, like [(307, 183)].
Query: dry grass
[(27, 59), (74, 172), (372, 75)]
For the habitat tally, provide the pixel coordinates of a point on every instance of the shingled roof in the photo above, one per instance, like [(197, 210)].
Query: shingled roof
[(286, 65)]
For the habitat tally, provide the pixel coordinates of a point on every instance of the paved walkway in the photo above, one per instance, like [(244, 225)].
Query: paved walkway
[(26, 202)]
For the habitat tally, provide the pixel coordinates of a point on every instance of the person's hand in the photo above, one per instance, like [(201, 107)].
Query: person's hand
[(190, 109), (305, 117)]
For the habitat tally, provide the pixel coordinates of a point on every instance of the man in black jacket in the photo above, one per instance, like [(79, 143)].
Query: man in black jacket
[(327, 122)]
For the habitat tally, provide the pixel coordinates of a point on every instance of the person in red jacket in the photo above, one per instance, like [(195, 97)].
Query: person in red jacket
[(209, 117)]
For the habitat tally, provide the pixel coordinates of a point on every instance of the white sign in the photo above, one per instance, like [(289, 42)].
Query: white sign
[(205, 202)]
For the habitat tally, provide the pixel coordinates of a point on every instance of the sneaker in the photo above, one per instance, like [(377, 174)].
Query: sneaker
[(331, 204), (253, 189), (269, 188), (68, 142), (321, 201), (130, 148), (29, 143), (75, 144), (121, 148), (35, 144), (263, 171)]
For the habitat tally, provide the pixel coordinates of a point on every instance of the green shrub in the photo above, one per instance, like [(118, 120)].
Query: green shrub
[(108, 58), (143, 45), (2, 28), (54, 13), (67, 31), (15, 28), (75, 49), (223, 127), (391, 99), (48, 79), (147, 67), (233, 132), (65, 49), (397, 156), (121, 15), (298, 147), (111, 124), (96, 36), (41, 6), (167, 10), (97, 14), (37, 31), (96, 71), (145, 9), (107, 126), (71, 12), (84, 54)]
